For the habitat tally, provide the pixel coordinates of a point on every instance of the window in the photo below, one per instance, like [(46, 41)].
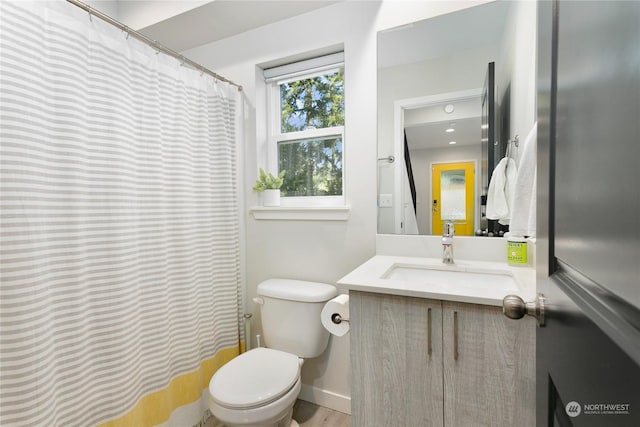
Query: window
[(307, 130)]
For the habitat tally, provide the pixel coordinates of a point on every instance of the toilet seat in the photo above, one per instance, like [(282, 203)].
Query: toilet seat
[(255, 378)]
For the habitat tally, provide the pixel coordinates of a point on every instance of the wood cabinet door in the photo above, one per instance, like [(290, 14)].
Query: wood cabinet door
[(396, 360), (489, 367)]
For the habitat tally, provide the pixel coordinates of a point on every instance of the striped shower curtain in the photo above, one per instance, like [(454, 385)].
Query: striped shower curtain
[(120, 278)]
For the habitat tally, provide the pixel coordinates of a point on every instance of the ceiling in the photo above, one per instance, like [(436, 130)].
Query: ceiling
[(433, 135), (220, 19), (426, 126)]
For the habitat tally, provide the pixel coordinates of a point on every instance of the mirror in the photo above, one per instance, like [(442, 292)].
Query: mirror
[(453, 91)]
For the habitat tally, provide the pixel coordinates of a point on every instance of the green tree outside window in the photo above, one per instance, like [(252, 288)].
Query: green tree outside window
[(313, 165)]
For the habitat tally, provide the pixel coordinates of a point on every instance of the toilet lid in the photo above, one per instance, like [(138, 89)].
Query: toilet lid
[(254, 378)]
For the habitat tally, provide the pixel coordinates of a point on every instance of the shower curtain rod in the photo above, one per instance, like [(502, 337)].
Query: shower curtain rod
[(151, 42)]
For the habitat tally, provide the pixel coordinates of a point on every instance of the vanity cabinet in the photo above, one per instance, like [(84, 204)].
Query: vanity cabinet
[(396, 374), (424, 362)]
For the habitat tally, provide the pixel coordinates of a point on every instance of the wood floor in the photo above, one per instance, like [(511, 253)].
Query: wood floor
[(308, 415)]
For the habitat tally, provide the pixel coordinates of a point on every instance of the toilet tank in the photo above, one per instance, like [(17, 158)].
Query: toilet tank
[(290, 314)]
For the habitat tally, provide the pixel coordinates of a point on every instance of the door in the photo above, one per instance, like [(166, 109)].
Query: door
[(452, 193), (588, 246)]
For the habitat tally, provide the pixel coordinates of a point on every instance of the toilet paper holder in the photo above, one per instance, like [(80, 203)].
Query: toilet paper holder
[(337, 319), (335, 315)]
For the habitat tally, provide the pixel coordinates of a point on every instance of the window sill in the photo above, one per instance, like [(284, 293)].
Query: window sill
[(290, 213)]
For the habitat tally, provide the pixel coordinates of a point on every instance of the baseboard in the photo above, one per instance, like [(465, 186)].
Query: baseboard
[(326, 398)]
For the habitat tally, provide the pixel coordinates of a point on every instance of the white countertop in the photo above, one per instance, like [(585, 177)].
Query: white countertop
[(370, 277)]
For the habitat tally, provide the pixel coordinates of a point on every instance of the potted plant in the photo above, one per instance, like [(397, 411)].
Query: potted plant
[(269, 186)]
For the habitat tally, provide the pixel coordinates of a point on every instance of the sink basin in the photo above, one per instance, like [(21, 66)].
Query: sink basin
[(453, 277)]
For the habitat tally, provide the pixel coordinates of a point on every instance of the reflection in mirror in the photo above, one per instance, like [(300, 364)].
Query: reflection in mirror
[(432, 89), (453, 195)]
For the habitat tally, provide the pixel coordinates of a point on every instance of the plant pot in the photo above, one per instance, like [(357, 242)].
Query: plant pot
[(271, 198)]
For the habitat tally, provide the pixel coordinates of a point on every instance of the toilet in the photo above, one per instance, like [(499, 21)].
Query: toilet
[(260, 387)]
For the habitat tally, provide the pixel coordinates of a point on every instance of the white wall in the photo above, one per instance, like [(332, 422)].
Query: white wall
[(311, 250), (317, 250), (518, 54)]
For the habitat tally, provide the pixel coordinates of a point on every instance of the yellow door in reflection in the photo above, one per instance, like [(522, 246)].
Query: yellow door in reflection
[(452, 187)]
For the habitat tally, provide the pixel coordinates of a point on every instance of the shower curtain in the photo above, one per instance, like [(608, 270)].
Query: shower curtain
[(120, 278)]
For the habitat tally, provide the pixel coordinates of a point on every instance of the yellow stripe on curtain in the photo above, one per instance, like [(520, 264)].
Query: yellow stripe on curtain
[(156, 408)]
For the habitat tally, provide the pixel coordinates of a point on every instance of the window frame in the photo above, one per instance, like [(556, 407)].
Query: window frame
[(275, 135)]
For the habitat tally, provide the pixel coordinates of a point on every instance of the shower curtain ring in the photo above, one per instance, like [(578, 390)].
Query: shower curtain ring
[(89, 12)]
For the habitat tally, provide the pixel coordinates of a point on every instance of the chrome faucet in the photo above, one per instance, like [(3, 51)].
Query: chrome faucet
[(447, 242)]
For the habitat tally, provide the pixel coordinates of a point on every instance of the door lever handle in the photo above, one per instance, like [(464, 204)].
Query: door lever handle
[(514, 307)]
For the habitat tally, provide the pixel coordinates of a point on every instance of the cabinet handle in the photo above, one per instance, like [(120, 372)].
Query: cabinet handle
[(455, 335), (429, 331)]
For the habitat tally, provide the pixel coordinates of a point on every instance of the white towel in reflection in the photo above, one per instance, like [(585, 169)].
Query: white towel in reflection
[(501, 191), (523, 214)]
